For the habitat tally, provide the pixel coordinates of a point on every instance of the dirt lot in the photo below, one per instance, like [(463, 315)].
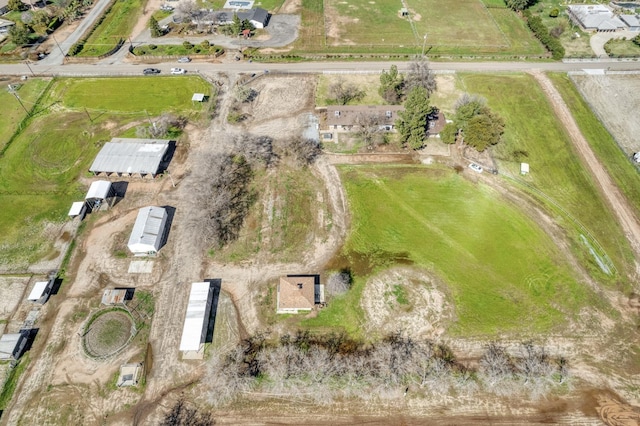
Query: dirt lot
[(614, 98), (13, 290), (63, 386)]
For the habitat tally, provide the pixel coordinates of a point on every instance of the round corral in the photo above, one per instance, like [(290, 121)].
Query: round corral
[(107, 333)]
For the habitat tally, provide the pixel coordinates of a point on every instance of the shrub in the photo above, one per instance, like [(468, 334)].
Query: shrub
[(187, 45), (542, 33), (76, 48), (153, 46), (205, 44), (554, 13)]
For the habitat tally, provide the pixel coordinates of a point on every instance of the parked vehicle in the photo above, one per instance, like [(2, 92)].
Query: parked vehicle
[(150, 71), (475, 167), (178, 71), (166, 8), (184, 60)]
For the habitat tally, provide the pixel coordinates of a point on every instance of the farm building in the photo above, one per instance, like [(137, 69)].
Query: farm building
[(78, 208), (196, 320), (148, 231), (131, 157), (129, 375), (41, 291), (114, 296), (258, 17), (5, 24), (12, 346), (299, 293), (595, 17), (98, 192)]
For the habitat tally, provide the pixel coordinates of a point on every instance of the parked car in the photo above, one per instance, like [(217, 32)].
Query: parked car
[(184, 60), (178, 71), (475, 167), (166, 8), (149, 71)]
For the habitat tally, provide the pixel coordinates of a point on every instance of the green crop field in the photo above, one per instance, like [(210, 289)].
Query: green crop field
[(603, 144), (39, 170), (505, 274), (464, 26), (556, 170), (117, 23)]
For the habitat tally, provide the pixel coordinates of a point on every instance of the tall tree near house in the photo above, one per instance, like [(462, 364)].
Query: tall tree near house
[(343, 93), (480, 126), (420, 75), (391, 85), (412, 124), (519, 4), (154, 27)]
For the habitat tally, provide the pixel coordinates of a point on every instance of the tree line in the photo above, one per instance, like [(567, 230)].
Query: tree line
[(328, 367)]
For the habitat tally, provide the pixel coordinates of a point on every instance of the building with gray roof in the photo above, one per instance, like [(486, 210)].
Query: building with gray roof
[(148, 231), (131, 157), (595, 17)]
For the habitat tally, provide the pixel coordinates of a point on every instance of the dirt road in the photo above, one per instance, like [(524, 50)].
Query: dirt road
[(619, 204)]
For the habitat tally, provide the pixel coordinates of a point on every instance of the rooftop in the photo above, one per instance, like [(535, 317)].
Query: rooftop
[(130, 156), (347, 115), (197, 316), (296, 292), (148, 228)]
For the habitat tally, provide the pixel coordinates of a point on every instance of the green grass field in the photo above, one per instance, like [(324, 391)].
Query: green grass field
[(505, 274), (117, 23), (622, 48), (556, 169), (271, 5), (463, 27), (12, 112), (39, 170), (603, 144)]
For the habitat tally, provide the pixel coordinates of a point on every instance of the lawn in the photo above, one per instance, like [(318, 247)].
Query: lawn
[(366, 83), (12, 112), (603, 144), (176, 50), (39, 170), (475, 241), (556, 170), (618, 47), (117, 22)]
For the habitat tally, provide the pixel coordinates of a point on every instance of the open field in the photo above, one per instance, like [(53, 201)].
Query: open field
[(475, 242), (614, 157), (117, 23), (464, 27), (12, 112), (39, 171), (574, 40), (556, 171), (618, 48)]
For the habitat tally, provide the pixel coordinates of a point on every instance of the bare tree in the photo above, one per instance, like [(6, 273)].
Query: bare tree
[(258, 150), (338, 283), (303, 151), (369, 128), (182, 415), (343, 92), (420, 75), (243, 93)]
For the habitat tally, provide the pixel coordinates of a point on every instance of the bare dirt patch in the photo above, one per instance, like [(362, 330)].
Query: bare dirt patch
[(614, 99), (406, 299), (108, 333), (12, 290)]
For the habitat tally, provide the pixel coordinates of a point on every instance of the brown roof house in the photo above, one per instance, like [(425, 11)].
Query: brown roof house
[(345, 117), (299, 293)]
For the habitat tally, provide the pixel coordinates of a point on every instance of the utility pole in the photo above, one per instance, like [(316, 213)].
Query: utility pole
[(54, 39), (29, 66), (13, 92)]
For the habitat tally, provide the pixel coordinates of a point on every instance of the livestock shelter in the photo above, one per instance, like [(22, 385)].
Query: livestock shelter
[(524, 168), (12, 346), (78, 208), (198, 97), (41, 291), (196, 320), (114, 296), (129, 375), (148, 231), (131, 157), (98, 192), (299, 293)]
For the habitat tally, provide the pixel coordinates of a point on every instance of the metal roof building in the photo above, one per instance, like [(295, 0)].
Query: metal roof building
[(78, 208), (124, 156), (40, 291), (99, 190), (197, 318), (148, 231), (12, 345)]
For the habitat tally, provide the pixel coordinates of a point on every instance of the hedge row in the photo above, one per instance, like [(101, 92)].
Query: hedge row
[(541, 31)]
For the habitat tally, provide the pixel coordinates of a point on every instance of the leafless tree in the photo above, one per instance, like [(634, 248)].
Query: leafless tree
[(467, 98), (343, 92), (258, 150), (369, 128), (190, 9), (420, 75), (338, 283), (243, 93), (303, 151), (182, 415)]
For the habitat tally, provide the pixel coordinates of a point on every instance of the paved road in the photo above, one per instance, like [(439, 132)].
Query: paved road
[(42, 68), (56, 56)]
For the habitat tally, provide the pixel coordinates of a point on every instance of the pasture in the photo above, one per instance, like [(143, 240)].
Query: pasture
[(116, 23), (12, 112), (476, 243), (463, 27), (556, 170), (39, 170)]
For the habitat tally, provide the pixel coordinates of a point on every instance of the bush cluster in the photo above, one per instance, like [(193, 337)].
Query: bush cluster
[(541, 31)]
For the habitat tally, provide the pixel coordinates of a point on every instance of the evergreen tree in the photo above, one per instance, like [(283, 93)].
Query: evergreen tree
[(154, 27), (391, 85), (412, 124)]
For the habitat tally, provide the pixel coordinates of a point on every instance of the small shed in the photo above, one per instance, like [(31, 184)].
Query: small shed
[(148, 231), (196, 320), (12, 346), (41, 291), (78, 208), (198, 97), (114, 296), (129, 375), (98, 192), (524, 168), (297, 293), (404, 12)]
